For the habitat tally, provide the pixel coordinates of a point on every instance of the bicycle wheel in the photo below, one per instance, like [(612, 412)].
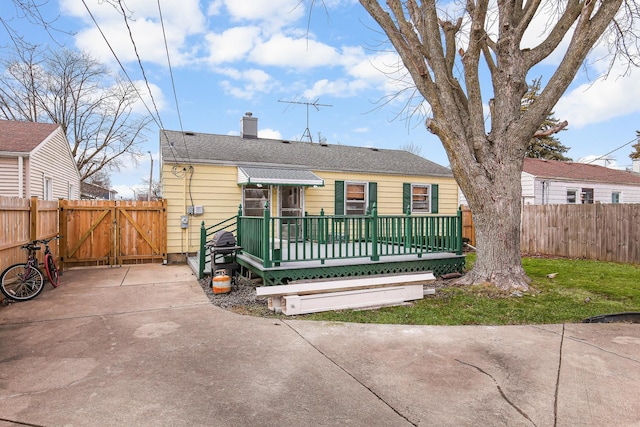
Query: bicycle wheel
[(52, 270), (21, 282)]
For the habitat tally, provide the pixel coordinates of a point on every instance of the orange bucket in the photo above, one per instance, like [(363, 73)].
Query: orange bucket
[(221, 283)]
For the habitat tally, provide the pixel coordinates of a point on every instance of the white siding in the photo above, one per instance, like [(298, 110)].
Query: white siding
[(556, 191), (9, 177), (528, 192), (53, 159)]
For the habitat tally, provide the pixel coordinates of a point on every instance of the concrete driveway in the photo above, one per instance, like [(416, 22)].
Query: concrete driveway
[(143, 346)]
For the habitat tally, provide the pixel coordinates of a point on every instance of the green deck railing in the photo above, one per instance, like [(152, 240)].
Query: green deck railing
[(274, 240)]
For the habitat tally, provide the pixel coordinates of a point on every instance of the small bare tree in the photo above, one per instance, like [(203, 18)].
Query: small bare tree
[(445, 51), (70, 88)]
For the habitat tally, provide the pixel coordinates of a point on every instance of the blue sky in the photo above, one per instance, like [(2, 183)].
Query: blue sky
[(229, 57)]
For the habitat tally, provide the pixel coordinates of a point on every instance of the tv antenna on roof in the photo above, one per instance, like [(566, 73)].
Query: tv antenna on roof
[(316, 105)]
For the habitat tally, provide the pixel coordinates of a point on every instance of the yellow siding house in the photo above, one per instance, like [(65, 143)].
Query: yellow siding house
[(207, 177)]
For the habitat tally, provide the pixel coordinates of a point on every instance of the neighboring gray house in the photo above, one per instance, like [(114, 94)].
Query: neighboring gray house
[(95, 192), (550, 182), (36, 161), (546, 182)]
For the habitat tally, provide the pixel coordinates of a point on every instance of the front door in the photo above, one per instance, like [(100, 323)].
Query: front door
[(291, 205)]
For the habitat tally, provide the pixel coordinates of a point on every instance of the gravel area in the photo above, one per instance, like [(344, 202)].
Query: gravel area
[(241, 299)]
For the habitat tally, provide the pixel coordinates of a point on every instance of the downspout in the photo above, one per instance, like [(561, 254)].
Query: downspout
[(184, 209)]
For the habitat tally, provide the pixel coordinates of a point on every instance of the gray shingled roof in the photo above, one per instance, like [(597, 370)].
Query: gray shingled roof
[(198, 148)]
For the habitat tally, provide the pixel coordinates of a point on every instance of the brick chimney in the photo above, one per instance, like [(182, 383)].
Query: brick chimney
[(249, 126)]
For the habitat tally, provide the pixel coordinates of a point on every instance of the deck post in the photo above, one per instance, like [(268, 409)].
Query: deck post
[(459, 232), (408, 235), (239, 226), (203, 255), (321, 228), (375, 256), (266, 240)]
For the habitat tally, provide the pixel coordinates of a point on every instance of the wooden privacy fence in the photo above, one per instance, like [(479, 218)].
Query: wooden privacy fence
[(468, 229), (23, 220), (605, 232), (108, 232)]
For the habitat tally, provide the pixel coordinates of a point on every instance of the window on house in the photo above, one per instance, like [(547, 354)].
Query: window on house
[(356, 200), (615, 197), (254, 199), (572, 196), (48, 189), (586, 196), (420, 198)]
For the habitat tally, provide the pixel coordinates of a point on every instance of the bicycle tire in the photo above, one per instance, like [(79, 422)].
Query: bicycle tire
[(14, 285), (52, 270)]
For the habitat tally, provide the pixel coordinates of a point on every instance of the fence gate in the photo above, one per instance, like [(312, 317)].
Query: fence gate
[(108, 232)]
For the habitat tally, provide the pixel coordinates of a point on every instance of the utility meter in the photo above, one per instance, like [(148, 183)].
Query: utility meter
[(184, 221)]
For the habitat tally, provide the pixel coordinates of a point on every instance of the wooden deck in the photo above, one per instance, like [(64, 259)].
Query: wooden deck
[(394, 263), (284, 249)]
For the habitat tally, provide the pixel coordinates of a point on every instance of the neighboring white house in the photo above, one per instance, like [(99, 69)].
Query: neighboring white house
[(546, 182), (36, 161)]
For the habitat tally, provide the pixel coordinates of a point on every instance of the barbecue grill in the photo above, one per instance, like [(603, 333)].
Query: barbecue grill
[(223, 249)]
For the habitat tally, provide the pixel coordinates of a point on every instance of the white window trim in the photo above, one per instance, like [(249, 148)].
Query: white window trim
[(268, 187), (577, 195), (47, 187), (428, 198), (619, 196)]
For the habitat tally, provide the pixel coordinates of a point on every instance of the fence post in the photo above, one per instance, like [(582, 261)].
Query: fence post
[(375, 256), (33, 220), (203, 255), (459, 233), (266, 247)]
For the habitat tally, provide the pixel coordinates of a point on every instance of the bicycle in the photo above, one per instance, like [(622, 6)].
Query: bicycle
[(25, 281)]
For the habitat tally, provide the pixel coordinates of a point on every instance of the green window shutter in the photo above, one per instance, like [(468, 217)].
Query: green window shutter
[(373, 194), (434, 198), (339, 198), (406, 197)]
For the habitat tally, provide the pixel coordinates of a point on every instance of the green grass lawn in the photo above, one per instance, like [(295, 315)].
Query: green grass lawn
[(581, 289)]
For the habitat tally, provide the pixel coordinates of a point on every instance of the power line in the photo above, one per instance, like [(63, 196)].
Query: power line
[(173, 84), (156, 120)]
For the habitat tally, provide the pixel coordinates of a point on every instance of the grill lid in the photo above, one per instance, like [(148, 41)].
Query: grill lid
[(223, 238)]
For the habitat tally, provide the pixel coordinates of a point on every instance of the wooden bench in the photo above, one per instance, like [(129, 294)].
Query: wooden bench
[(346, 293)]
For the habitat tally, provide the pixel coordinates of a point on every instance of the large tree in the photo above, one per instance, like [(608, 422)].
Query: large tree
[(94, 107), (445, 51)]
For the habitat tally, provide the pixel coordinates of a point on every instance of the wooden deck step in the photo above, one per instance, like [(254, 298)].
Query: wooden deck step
[(345, 293)]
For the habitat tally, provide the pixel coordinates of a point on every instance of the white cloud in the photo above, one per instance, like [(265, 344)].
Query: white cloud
[(601, 100), (297, 53), (269, 134), (275, 11), (600, 160), (253, 81), (181, 19), (231, 45)]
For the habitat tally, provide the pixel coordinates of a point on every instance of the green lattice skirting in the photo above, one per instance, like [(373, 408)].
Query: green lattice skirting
[(282, 275)]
